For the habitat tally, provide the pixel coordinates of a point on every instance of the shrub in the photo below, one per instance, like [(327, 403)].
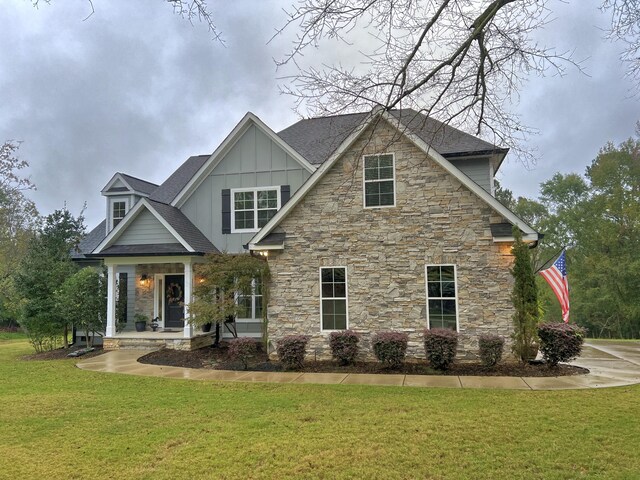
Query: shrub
[(560, 342), (390, 348), (440, 346), (242, 349), (491, 347), (291, 350), (344, 346)]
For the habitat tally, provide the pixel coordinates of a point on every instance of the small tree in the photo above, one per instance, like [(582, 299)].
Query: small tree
[(525, 300), (219, 280), (82, 300)]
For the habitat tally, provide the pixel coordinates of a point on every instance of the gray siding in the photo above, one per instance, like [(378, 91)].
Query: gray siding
[(254, 161), (145, 229), (477, 169)]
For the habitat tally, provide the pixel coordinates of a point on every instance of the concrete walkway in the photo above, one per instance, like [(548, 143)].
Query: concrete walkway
[(611, 364)]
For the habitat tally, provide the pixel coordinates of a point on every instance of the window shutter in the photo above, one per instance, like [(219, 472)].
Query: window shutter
[(285, 194), (226, 210)]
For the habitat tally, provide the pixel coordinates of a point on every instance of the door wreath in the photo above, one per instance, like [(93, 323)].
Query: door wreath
[(174, 293)]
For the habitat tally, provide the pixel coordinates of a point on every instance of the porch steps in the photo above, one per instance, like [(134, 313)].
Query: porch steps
[(154, 343)]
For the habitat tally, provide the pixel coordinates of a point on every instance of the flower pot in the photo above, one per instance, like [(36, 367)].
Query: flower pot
[(141, 326), (531, 352), (207, 327)]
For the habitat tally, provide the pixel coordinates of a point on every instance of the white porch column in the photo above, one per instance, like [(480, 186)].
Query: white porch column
[(111, 301), (188, 289)]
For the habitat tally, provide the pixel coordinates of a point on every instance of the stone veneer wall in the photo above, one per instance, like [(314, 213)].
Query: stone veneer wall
[(145, 295), (436, 221)]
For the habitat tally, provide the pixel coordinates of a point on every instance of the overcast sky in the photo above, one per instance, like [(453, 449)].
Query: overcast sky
[(137, 89)]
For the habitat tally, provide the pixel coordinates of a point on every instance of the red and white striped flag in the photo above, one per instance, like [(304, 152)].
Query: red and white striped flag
[(556, 277)]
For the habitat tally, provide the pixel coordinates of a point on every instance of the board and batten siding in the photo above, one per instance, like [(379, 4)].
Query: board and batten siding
[(477, 169), (254, 161), (144, 230)]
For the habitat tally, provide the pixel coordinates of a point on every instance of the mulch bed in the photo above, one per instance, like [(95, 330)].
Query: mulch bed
[(61, 354), (216, 358)]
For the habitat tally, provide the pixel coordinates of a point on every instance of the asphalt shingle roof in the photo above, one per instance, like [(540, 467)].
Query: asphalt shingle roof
[(166, 192), (317, 138), (139, 185), (145, 250), (90, 241)]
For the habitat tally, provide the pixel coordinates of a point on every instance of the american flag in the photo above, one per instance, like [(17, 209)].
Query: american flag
[(556, 277)]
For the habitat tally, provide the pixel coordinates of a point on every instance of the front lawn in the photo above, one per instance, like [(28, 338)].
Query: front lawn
[(57, 421)]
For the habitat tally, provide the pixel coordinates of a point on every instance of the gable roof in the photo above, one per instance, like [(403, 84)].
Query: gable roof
[(186, 233), (166, 192), (216, 157), (132, 185), (90, 241), (317, 138), (529, 233)]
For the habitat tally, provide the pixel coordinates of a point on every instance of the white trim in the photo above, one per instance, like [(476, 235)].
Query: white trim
[(346, 297), (115, 233), (255, 190), (120, 176), (364, 181), (252, 296), (455, 285), (111, 201), (435, 156), (227, 144), (149, 260), (158, 293), (525, 238)]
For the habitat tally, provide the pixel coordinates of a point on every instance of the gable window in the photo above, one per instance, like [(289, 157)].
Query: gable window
[(379, 180), (250, 306), (252, 208), (333, 298), (118, 211), (442, 297)]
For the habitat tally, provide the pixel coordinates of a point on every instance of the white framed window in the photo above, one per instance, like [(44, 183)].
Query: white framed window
[(119, 208), (250, 305), (442, 296), (379, 180), (252, 208), (334, 306)]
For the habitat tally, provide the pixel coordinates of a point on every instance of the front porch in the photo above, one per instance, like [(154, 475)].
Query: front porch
[(161, 290)]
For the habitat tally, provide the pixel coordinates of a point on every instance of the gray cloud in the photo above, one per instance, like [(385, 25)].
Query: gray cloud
[(137, 89)]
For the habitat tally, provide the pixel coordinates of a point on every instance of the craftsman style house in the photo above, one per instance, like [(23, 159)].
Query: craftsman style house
[(372, 221)]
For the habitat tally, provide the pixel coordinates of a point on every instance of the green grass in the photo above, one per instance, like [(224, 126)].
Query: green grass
[(57, 421), (5, 336)]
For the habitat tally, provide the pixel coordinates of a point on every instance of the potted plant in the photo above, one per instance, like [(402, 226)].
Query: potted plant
[(141, 322), (206, 327)]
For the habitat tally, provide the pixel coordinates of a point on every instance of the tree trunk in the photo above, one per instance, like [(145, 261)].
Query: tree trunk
[(65, 338), (217, 340)]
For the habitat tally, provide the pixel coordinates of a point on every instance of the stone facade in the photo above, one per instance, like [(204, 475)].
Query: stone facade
[(436, 220), (199, 341)]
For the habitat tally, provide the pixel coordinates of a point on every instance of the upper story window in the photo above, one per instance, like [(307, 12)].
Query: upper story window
[(118, 211), (252, 208), (379, 181), (442, 297)]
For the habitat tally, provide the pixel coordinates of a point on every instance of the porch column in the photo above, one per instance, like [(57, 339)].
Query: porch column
[(188, 284), (111, 301)]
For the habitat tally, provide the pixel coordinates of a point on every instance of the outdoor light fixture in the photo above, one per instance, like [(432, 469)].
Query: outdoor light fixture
[(144, 280)]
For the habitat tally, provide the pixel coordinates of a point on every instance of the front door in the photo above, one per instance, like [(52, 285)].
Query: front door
[(174, 301)]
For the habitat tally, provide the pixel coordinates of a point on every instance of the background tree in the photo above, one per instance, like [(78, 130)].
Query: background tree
[(43, 270), (82, 300), (18, 220)]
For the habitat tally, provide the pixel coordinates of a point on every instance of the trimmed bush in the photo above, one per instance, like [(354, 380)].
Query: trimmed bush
[(390, 348), (440, 346), (291, 350), (344, 346), (242, 349), (560, 342), (491, 347)]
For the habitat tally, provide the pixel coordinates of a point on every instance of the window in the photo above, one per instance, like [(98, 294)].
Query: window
[(442, 298), (251, 305), (253, 208), (379, 181), (118, 211), (333, 298)]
